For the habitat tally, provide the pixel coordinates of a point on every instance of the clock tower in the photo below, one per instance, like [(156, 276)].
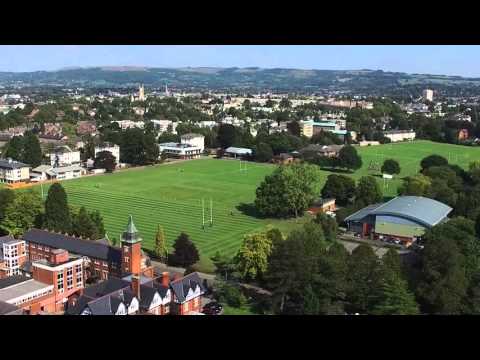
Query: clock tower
[(131, 249)]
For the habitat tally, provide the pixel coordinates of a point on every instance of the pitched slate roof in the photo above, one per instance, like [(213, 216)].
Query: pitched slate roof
[(74, 245), (103, 298), (106, 287), (181, 286), (147, 294), (11, 164)]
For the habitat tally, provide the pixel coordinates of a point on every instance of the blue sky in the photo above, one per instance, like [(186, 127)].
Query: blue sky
[(448, 60)]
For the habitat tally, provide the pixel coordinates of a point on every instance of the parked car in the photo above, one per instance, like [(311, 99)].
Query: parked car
[(212, 308)]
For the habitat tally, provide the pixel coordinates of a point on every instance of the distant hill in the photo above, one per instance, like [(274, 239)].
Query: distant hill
[(240, 79)]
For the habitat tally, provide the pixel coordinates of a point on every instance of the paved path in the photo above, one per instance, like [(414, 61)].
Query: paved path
[(164, 267)]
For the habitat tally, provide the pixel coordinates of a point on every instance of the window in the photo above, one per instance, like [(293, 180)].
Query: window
[(60, 281), (69, 278)]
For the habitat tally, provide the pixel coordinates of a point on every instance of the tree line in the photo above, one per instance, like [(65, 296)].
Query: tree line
[(21, 211)]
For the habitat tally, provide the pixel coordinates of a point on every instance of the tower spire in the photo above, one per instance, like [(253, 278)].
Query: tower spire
[(131, 234)]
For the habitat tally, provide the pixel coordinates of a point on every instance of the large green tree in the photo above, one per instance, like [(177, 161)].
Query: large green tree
[(32, 152), (83, 225), (105, 160), (14, 148), (288, 191), (339, 187), (393, 296), (252, 257), (22, 214), (329, 226), (362, 280), (185, 252), (417, 185), (433, 160), (263, 152), (368, 191), (293, 265), (226, 135), (443, 285), (57, 212), (7, 197), (348, 158), (391, 167)]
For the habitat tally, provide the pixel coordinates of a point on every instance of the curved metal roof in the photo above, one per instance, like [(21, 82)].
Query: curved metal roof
[(423, 210)]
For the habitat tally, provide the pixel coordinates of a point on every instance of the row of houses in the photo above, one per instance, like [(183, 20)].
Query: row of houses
[(64, 164), (56, 269)]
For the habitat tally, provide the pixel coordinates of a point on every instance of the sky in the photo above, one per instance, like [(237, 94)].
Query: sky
[(432, 59)]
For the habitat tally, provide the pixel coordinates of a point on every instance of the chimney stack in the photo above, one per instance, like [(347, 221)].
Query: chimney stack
[(136, 285), (166, 279)]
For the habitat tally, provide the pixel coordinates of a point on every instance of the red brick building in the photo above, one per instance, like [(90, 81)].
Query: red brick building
[(101, 259), (52, 283), (139, 291)]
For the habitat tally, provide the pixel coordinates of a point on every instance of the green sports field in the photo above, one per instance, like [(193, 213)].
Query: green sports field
[(409, 155), (171, 194)]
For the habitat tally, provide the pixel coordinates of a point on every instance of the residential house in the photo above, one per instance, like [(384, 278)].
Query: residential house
[(283, 159), (86, 128), (12, 171), (322, 150), (323, 206)]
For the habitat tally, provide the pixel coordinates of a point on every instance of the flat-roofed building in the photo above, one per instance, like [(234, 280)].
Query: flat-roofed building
[(196, 140), (12, 256), (237, 152), (399, 135), (64, 156), (180, 151)]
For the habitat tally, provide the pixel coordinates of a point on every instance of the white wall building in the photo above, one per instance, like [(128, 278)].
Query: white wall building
[(399, 135), (46, 172), (114, 149), (180, 151), (162, 125), (129, 124), (64, 156), (195, 140), (12, 171), (428, 94)]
